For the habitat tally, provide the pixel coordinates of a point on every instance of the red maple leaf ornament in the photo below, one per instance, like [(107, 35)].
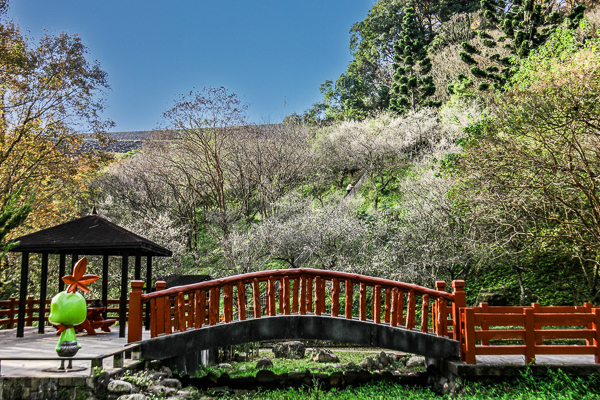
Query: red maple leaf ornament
[(78, 279)]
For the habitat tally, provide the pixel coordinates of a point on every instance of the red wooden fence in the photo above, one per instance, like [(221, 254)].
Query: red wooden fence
[(580, 322), (301, 291), (9, 310)]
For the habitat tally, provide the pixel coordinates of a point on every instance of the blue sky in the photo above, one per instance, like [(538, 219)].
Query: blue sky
[(273, 54)]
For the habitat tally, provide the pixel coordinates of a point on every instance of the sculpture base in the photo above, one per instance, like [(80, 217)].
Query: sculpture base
[(75, 369), (62, 368)]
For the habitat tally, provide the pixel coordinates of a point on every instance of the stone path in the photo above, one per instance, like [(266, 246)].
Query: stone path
[(42, 345)]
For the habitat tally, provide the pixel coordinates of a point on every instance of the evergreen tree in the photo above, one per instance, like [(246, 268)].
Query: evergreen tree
[(11, 216), (525, 25), (412, 85)]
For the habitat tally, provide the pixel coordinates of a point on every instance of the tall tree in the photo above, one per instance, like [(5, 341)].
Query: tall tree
[(537, 155), (12, 215), (203, 126), (412, 86), (49, 92), (525, 26), (365, 86)]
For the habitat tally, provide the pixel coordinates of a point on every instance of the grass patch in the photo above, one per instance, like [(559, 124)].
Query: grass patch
[(372, 391), (282, 365), (555, 385)]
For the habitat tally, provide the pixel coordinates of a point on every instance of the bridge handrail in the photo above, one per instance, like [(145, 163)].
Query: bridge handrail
[(527, 325), (263, 276), (192, 306)]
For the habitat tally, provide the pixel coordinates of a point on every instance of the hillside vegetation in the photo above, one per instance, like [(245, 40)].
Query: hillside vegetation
[(469, 136)]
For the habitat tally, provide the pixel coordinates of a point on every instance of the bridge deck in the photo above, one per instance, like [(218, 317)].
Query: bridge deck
[(42, 345)]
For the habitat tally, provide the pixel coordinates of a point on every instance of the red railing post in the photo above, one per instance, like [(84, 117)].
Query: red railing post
[(271, 306), (434, 317), (201, 300), (588, 309), (425, 314), (529, 325), (467, 315), (167, 316), (335, 297), (443, 317), (134, 328), (362, 302), (152, 310), (394, 310), (286, 295), (322, 293), (196, 301), (388, 306), (303, 294), (241, 292), (400, 307), (317, 295), (295, 295), (228, 302), (309, 294), (596, 341), (410, 310), (191, 310), (281, 297), (348, 300), (377, 304), (11, 314), (213, 305), (484, 326), (180, 312), (537, 309), (158, 318), (439, 309), (256, 297), (460, 300)]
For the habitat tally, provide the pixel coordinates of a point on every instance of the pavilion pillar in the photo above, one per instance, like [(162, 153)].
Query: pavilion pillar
[(43, 287), (61, 271), (105, 259), (148, 274), (138, 267), (123, 299), (148, 288), (73, 261), (23, 294)]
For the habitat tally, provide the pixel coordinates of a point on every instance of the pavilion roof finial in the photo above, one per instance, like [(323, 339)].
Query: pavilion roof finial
[(94, 212)]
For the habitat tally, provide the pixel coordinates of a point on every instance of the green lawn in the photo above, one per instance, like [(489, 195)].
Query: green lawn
[(553, 386)]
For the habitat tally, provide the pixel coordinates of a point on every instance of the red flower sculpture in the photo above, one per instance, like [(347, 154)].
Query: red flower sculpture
[(78, 279)]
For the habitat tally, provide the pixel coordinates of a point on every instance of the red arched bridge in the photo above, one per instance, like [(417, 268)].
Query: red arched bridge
[(298, 304), (329, 305)]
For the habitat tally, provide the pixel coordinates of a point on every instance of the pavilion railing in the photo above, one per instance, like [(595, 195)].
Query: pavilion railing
[(302, 291), (9, 311)]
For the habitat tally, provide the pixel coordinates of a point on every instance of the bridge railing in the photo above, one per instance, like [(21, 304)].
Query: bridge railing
[(302, 291), (481, 324)]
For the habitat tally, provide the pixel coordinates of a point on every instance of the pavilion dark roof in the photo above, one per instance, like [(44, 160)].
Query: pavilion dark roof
[(89, 235)]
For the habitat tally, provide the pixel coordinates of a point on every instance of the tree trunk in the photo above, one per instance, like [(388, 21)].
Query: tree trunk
[(517, 270)]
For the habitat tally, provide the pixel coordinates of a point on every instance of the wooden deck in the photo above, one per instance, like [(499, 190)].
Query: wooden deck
[(42, 345)]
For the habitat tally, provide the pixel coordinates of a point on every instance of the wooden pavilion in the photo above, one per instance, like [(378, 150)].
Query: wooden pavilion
[(89, 235)]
